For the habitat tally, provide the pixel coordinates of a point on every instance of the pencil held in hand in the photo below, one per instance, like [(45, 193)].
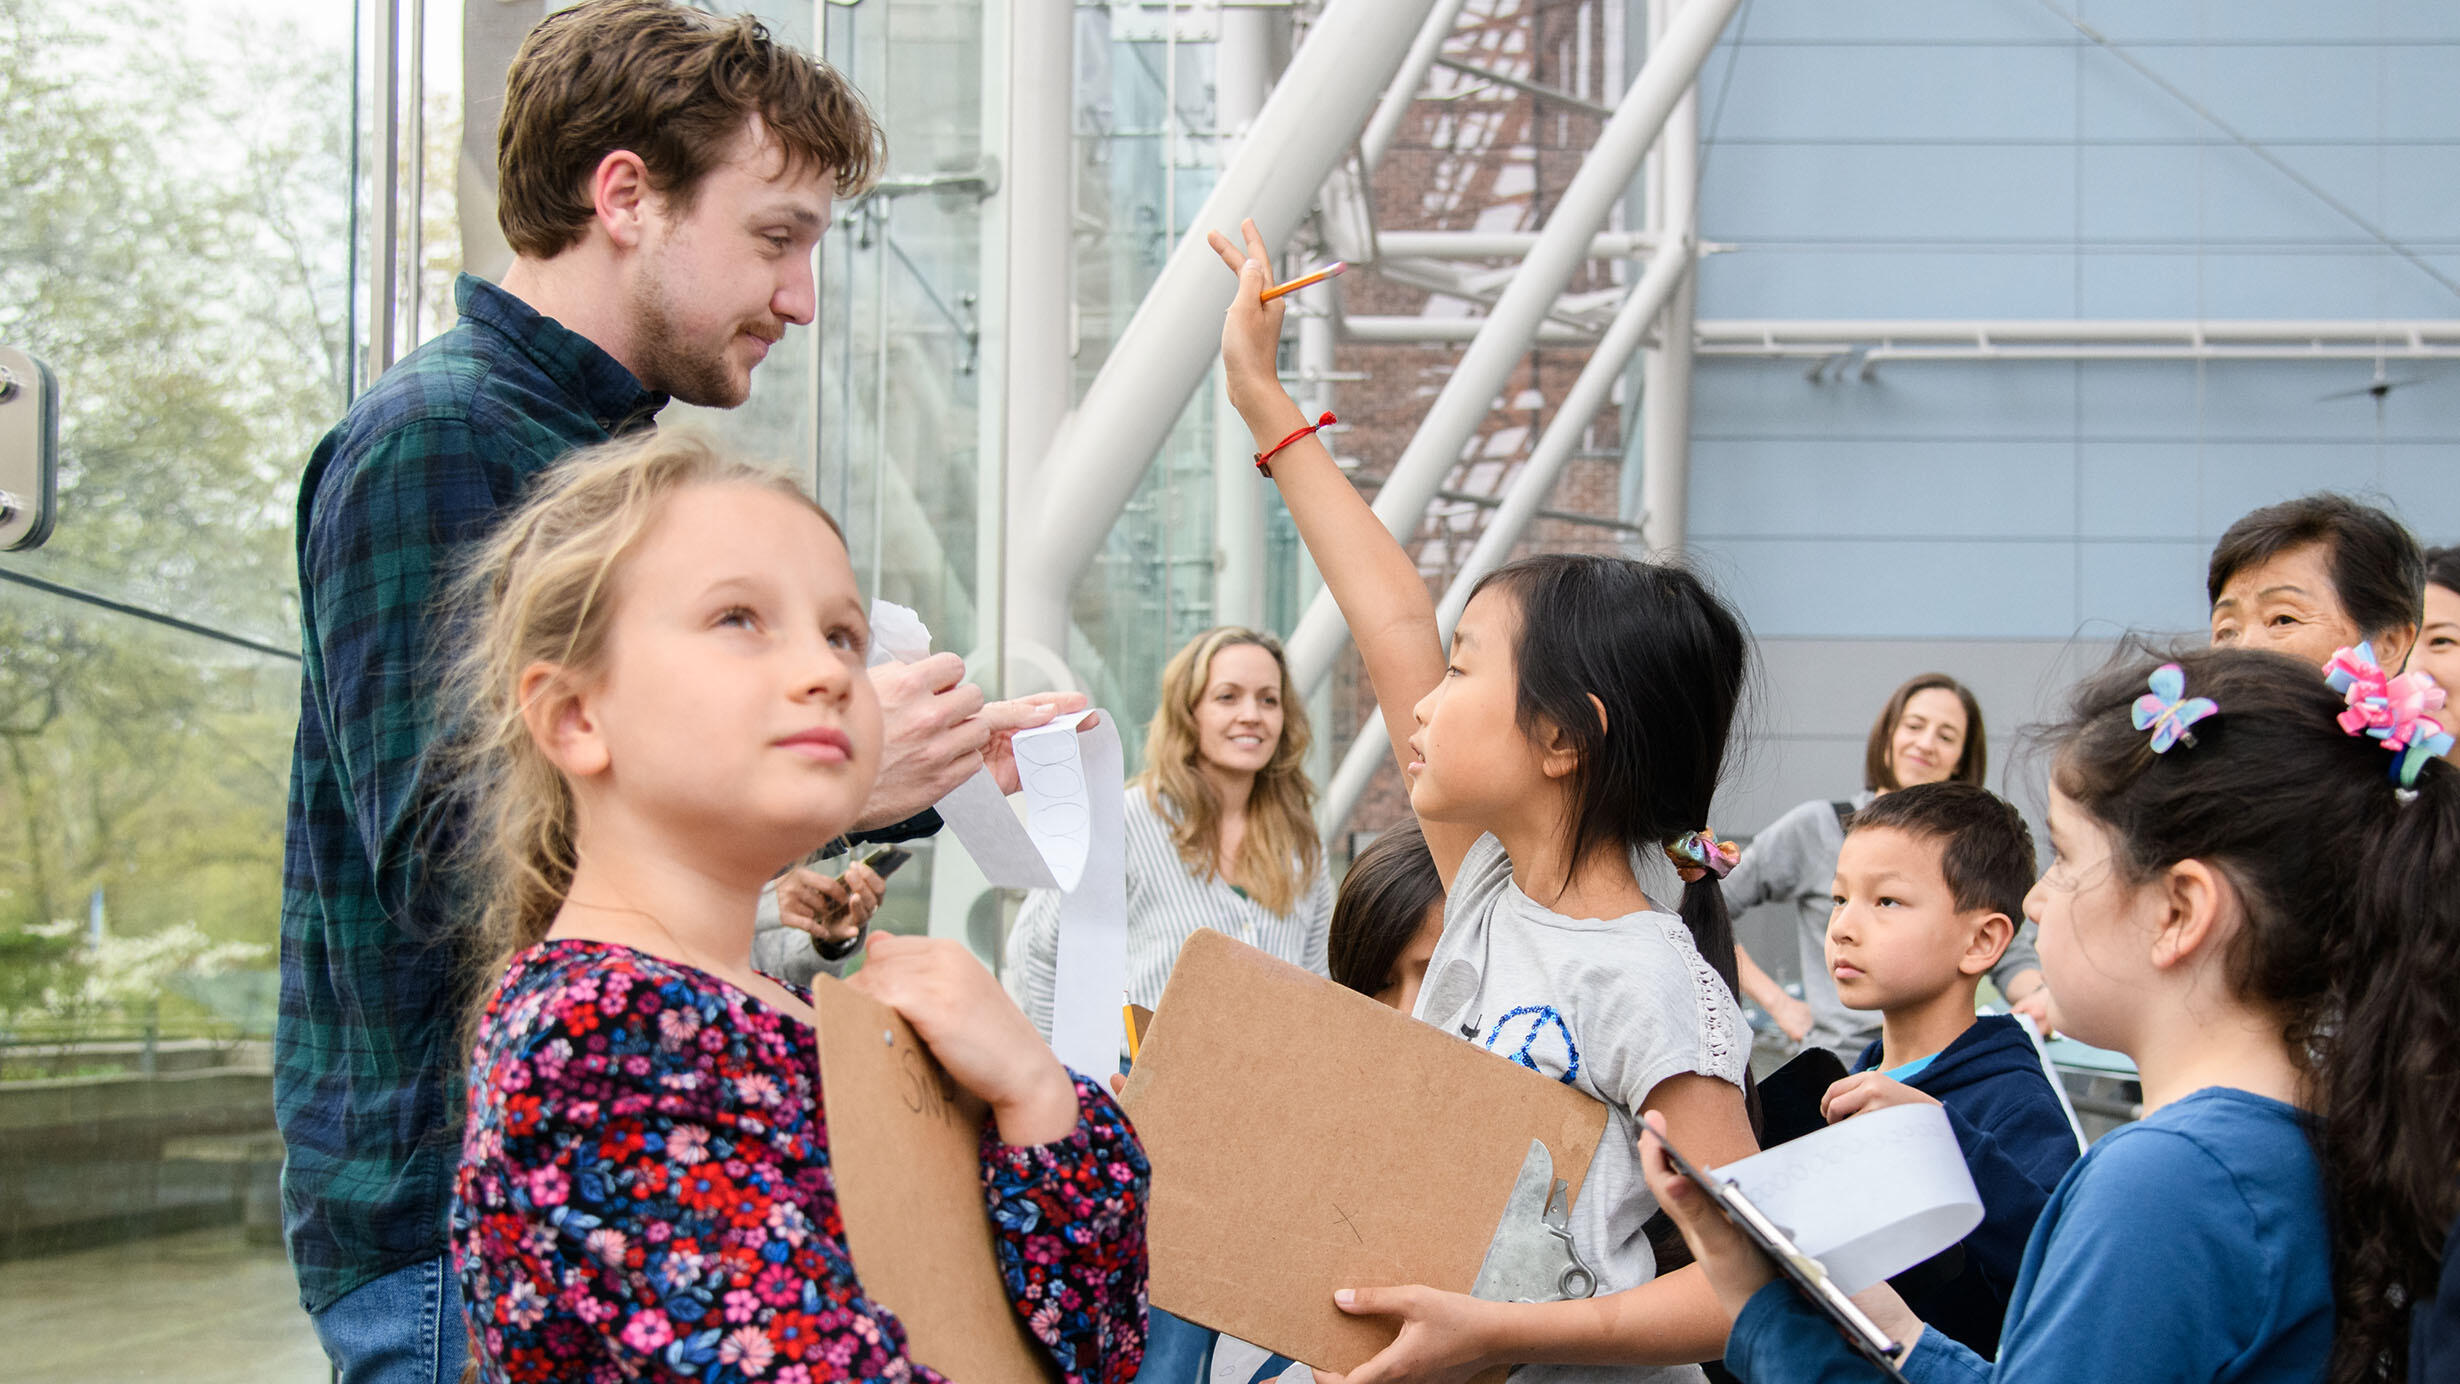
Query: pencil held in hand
[(1294, 285)]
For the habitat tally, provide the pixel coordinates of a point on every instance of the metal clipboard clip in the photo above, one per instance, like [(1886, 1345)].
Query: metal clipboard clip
[(1532, 1258), (1808, 1275)]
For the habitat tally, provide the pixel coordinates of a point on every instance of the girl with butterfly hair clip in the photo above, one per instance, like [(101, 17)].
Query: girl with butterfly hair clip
[(2252, 901)]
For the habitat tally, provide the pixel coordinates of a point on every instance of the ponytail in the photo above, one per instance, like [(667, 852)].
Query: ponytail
[(2389, 1077), (1712, 929), (1702, 860)]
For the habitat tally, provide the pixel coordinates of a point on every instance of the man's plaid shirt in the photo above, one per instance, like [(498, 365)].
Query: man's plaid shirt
[(364, 1053)]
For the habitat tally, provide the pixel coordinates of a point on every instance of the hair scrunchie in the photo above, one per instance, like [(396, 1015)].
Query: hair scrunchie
[(1701, 854), (2403, 712)]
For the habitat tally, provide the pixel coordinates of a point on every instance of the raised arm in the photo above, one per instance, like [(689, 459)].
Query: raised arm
[(1371, 577)]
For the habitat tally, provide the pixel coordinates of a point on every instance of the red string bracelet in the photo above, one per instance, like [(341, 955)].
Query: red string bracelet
[(1264, 460)]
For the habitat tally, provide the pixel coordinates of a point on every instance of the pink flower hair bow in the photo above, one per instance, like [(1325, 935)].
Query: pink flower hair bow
[(1701, 853), (2399, 711)]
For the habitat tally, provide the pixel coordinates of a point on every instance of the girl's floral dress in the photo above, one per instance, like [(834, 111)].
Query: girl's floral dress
[(645, 1193)]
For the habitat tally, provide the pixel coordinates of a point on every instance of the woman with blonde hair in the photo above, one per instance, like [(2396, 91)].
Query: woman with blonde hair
[(1220, 834), (1220, 826)]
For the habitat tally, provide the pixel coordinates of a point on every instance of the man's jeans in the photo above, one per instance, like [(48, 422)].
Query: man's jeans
[(404, 1328)]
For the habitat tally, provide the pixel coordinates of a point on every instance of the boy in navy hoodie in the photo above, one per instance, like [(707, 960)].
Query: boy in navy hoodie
[(1928, 889)]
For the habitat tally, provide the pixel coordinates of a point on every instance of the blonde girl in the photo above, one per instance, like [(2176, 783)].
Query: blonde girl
[(664, 705), (1220, 830)]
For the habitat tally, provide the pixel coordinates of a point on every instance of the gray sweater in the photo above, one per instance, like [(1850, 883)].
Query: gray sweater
[(1794, 862), (788, 953)]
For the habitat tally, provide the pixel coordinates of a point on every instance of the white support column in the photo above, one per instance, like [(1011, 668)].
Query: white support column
[(1665, 402), (1102, 450), (1242, 77), (1504, 338), (1667, 271), (1429, 45), (1315, 309), (1028, 297)]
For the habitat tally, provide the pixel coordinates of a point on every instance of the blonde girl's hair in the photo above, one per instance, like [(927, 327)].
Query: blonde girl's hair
[(1279, 855), (538, 590)]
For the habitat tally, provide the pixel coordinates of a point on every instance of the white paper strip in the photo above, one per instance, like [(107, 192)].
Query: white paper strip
[(1871, 1197), (1073, 839), (1075, 794)]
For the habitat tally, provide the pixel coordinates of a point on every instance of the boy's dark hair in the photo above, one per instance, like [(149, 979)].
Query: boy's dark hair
[(670, 83), (2443, 569), (2350, 934), (1973, 756), (2376, 567), (1985, 849), (1666, 660), (1383, 899)]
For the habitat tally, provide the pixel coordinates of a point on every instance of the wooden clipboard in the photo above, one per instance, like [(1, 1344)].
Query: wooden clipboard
[(1306, 1138), (905, 1147)]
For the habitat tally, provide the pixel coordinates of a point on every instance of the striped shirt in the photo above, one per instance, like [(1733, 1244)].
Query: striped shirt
[(1165, 906)]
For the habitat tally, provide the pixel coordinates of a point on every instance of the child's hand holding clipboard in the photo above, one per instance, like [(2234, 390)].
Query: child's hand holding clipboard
[(1741, 1250)]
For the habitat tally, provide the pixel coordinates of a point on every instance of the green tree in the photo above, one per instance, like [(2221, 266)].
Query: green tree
[(173, 240)]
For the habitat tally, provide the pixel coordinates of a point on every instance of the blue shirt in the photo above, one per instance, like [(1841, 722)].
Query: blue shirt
[(1912, 1069), (2190, 1246)]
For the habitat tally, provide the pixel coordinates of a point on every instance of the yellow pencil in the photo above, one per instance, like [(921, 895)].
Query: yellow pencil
[(1127, 1015), (1303, 281)]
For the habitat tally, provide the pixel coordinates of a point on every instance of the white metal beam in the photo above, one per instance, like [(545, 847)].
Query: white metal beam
[(1522, 84), (1671, 69), (1665, 395), (1502, 244), (1100, 453), (1028, 291), (2183, 339), (1772, 332), (1437, 331), (1242, 76), (1524, 499), (1386, 122)]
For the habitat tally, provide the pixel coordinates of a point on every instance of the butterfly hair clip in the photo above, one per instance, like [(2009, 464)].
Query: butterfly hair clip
[(2399, 711), (2167, 711), (1701, 853)]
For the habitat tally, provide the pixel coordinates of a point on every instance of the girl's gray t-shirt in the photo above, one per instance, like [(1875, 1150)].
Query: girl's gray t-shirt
[(1609, 1006)]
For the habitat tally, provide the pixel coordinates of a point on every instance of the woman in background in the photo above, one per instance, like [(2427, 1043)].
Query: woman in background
[(1220, 834), (1220, 827), (2438, 644)]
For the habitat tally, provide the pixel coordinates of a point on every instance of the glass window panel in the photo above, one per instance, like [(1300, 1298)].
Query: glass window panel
[(176, 246)]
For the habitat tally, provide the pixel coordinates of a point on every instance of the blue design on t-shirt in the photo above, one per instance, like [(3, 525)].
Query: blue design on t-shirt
[(1540, 1017)]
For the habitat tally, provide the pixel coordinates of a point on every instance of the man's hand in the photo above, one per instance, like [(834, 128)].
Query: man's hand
[(1005, 719), (832, 912), (939, 732), (1866, 1091)]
